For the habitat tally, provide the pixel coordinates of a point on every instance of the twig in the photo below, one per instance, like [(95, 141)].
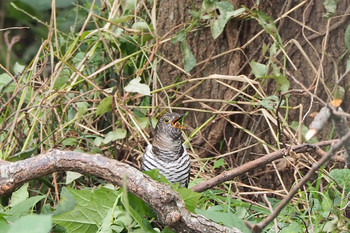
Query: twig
[(169, 207), (340, 124), (339, 120), (229, 175), (256, 228)]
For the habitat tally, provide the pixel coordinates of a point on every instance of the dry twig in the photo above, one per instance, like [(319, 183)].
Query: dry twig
[(259, 227), (229, 175)]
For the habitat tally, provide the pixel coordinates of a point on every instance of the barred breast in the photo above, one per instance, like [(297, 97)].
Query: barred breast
[(175, 171)]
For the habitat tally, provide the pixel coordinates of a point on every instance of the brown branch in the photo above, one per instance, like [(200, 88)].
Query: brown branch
[(169, 207), (340, 124), (257, 228), (229, 175)]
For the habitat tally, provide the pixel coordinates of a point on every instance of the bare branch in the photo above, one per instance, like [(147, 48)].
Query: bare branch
[(339, 120), (318, 123), (229, 175), (169, 207), (340, 124), (256, 228)]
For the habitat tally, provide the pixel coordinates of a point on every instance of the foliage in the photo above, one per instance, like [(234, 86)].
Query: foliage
[(101, 210), (87, 82)]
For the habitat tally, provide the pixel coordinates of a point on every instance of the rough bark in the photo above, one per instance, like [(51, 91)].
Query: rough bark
[(169, 207), (172, 14), (317, 62)]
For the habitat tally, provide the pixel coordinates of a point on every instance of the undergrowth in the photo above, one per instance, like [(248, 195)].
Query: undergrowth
[(91, 86)]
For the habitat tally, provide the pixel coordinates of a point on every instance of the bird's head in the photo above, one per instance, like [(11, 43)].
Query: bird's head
[(169, 125)]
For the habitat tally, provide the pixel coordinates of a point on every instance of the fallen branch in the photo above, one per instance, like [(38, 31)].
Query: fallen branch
[(169, 207)]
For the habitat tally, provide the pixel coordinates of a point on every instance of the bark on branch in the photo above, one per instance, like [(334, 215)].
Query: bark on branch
[(251, 165), (169, 207)]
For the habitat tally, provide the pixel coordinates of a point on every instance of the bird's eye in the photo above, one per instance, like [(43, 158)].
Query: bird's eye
[(167, 120)]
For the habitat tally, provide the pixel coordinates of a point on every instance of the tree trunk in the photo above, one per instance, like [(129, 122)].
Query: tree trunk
[(173, 13), (314, 45)]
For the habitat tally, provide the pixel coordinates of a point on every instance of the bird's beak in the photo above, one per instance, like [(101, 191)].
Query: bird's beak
[(177, 124)]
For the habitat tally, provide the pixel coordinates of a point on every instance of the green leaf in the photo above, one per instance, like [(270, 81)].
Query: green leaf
[(104, 106), (145, 225), (67, 202), (208, 5), (331, 7), (142, 121), (347, 37), (78, 57), (347, 65), (273, 49), (267, 23), (135, 86), (82, 108), (22, 208), (292, 228), (269, 102), (19, 195), (264, 49), (188, 58), (7, 81), (62, 80), (142, 26), (123, 219), (180, 37), (227, 12), (4, 226), (91, 208), (167, 230), (32, 224), (154, 174), (71, 113), (18, 68), (140, 206), (218, 24), (70, 142), (332, 224), (114, 135), (129, 5), (229, 219), (258, 69), (145, 121), (98, 141), (72, 176), (190, 197), (342, 177), (282, 83), (107, 222), (122, 19), (339, 92), (219, 163)]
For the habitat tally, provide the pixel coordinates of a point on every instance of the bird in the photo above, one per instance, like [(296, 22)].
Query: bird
[(167, 153)]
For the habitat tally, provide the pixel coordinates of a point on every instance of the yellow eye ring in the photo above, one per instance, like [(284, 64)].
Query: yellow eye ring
[(167, 120)]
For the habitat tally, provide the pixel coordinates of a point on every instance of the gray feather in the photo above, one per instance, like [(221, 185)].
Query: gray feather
[(167, 154)]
